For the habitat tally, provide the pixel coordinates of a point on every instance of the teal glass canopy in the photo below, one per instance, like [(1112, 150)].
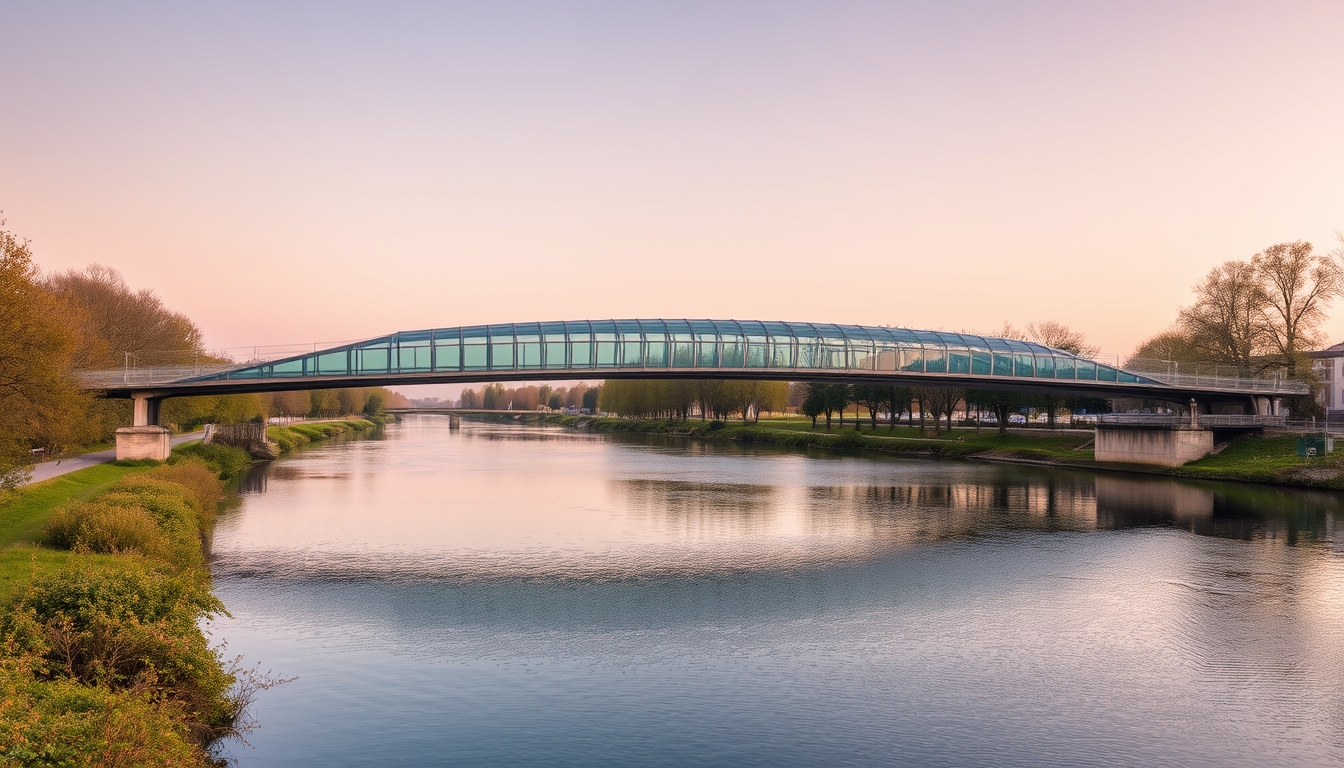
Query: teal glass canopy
[(745, 346)]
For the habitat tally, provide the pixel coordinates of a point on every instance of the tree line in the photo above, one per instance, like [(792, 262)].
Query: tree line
[(682, 398), (531, 397), (54, 325)]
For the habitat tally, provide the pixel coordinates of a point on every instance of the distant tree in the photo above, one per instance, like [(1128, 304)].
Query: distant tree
[(374, 403), (873, 397), (351, 400), (1001, 403), (901, 400), (493, 397), (1059, 336), (471, 398), (770, 397), (1298, 287), (590, 396), (1227, 322), (814, 404), (556, 401)]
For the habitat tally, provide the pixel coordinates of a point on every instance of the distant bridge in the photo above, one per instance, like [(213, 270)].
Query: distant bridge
[(692, 349)]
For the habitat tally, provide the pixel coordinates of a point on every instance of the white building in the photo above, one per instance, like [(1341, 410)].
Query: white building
[(1329, 365)]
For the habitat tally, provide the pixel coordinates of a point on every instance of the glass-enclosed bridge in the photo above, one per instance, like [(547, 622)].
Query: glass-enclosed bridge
[(711, 349)]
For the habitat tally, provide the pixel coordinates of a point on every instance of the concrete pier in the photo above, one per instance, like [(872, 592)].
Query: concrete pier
[(1163, 445), (147, 442)]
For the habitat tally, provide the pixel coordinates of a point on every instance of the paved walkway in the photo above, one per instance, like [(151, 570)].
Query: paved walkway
[(49, 469)]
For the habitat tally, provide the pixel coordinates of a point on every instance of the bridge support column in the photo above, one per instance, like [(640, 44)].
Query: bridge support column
[(1165, 446), (454, 421), (144, 439)]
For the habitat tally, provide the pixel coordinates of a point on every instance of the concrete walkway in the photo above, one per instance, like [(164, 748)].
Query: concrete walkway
[(49, 469)]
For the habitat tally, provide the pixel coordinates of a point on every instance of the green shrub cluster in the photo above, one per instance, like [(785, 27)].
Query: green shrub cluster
[(294, 435), (103, 659), (130, 631), (226, 461), (63, 723), (153, 515)]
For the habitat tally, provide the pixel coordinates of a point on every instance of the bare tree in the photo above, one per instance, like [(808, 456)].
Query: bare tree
[(1298, 287), (1227, 320), (1060, 336)]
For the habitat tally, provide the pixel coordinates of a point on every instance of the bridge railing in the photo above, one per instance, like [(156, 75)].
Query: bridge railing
[(139, 377), (1213, 376), (1204, 420)]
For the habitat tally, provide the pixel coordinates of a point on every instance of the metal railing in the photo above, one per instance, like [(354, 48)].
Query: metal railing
[(138, 377), (1217, 377), (1202, 420)]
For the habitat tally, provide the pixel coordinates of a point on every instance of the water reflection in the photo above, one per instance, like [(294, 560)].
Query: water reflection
[(511, 595)]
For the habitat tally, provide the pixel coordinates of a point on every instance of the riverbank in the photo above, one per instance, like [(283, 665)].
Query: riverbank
[(1270, 459), (103, 592)]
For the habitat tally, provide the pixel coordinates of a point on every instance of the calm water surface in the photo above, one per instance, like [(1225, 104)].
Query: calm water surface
[(507, 595)]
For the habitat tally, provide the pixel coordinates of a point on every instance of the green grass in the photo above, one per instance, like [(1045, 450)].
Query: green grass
[(292, 436), (25, 511)]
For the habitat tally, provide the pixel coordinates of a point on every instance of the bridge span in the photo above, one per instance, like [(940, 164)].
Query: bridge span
[(696, 349)]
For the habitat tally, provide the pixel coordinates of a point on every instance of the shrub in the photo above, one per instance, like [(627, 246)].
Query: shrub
[(61, 722), (226, 461), (107, 529), (129, 629), (198, 480)]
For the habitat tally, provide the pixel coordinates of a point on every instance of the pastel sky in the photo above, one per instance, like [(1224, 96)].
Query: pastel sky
[(325, 171)]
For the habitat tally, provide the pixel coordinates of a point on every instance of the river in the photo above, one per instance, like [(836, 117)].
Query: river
[(509, 595)]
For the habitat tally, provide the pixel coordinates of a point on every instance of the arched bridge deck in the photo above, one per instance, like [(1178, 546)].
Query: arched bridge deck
[(715, 349)]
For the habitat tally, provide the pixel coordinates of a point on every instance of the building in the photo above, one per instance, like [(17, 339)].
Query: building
[(1329, 366)]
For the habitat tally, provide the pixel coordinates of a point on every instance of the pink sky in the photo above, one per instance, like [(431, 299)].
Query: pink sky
[(330, 172)]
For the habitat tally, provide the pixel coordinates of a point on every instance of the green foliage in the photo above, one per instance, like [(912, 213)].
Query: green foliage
[(142, 515), (126, 628), (226, 461), (63, 723), (294, 435)]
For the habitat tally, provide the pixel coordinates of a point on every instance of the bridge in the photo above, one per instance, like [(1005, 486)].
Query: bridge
[(695, 349)]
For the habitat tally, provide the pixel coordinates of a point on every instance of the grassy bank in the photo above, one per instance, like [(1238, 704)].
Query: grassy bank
[(103, 589), (292, 436), (1268, 459)]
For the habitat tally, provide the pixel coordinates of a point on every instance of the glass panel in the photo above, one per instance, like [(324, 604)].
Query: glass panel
[(413, 358), (1045, 367), (630, 357), (1022, 365), (447, 357), (1003, 365), (888, 358), (1128, 378), (958, 362), (935, 360), (834, 355), (1105, 373), (733, 354), (861, 356), (288, 368), (981, 363), (807, 354), (374, 360), (1087, 370), (683, 354), (912, 359), (501, 355), (781, 354), (606, 351), (1063, 367), (706, 353), (580, 354), (473, 357), (555, 353), (329, 363), (529, 354), (656, 354), (757, 355)]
